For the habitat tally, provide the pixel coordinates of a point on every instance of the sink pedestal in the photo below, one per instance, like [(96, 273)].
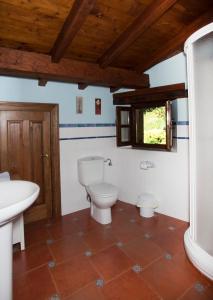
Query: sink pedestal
[(6, 261), (15, 197)]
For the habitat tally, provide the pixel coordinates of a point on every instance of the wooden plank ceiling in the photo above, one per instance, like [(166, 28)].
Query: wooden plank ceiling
[(100, 42)]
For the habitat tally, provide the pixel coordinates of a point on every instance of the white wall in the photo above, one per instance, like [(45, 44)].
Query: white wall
[(168, 180), (73, 194)]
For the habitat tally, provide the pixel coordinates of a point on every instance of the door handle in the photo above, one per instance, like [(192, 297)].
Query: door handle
[(45, 155)]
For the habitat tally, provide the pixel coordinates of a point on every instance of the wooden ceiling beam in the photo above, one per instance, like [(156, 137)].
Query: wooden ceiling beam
[(167, 92), (176, 44), (33, 65), (78, 13), (82, 86), (114, 89), (151, 14), (42, 82)]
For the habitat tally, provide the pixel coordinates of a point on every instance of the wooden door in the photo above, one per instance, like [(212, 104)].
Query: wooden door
[(25, 152)]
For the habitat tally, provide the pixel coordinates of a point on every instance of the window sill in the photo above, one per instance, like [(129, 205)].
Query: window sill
[(144, 148)]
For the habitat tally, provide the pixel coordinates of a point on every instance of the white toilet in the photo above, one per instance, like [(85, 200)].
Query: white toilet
[(103, 195)]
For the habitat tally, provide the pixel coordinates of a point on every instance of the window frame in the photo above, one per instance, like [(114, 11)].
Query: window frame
[(133, 125), (119, 126)]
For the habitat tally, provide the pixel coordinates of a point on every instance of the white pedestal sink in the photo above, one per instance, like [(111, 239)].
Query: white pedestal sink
[(15, 197)]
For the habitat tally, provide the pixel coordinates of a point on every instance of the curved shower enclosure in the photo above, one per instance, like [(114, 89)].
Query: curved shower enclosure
[(199, 237)]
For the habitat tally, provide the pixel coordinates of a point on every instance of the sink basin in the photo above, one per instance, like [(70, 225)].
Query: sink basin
[(15, 197)]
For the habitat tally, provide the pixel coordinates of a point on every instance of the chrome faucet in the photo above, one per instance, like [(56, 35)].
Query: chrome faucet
[(109, 161)]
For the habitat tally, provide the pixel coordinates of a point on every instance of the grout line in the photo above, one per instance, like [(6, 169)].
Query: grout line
[(95, 252), (51, 252), (118, 275), (151, 287), (66, 260), (54, 282), (154, 261), (30, 270), (78, 290), (95, 268), (184, 293)]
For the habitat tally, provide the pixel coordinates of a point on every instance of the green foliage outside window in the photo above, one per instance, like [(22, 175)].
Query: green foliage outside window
[(155, 125)]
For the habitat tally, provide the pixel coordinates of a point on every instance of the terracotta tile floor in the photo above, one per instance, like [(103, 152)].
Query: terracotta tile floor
[(75, 258)]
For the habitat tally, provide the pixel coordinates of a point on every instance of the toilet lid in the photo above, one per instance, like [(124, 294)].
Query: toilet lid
[(103, 189)]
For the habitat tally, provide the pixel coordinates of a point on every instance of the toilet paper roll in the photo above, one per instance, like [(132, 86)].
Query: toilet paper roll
[(146, 164)]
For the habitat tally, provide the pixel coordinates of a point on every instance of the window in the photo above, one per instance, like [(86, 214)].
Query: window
[(147, 125)]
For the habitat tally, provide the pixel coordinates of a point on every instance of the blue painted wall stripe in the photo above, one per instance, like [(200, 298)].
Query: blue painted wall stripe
[(88, 137), (180, 122), (109, 136), (75, 125), (181, 137)]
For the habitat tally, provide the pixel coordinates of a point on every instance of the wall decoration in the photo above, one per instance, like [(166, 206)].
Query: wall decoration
[(97, 106), (79, 104)]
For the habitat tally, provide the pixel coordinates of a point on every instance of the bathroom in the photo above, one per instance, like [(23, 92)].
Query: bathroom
[(74, 144), (171, 187), (70, 256)]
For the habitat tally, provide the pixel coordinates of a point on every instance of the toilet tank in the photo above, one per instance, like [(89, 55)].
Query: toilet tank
[(90, 170)]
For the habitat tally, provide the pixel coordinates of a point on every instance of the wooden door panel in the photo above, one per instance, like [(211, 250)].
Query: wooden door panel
[(37, 170), (15, 145), (25, 138)]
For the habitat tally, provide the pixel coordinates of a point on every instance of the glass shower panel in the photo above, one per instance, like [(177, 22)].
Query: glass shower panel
[(203, 76)]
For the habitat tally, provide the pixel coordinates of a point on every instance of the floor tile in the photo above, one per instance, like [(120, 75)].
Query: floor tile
[(30, 258), (167, 221), (36, 225), (86, 223), (35, 236), (193, 294), (111, 262), (67, 247), (73, 275), (126, 231), (155, 244), (168, 279), (90, 292), (61, 229), (128, 286), (34, 285), (182, 261), (126, 209), (154, 226), (119, 218), (142, 251), (98, 239), (170, 241)]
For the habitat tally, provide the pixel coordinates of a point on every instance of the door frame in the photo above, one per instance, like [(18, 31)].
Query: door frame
[(53, 109)]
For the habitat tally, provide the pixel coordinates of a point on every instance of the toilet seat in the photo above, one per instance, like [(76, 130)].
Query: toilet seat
[(103, 190)]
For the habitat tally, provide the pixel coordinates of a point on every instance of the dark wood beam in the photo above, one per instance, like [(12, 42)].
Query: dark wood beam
[(42, 82), (176, 44), (167, 92), (34, 65), (114, 89), (72, 24), (151, 14), (82, 86)]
